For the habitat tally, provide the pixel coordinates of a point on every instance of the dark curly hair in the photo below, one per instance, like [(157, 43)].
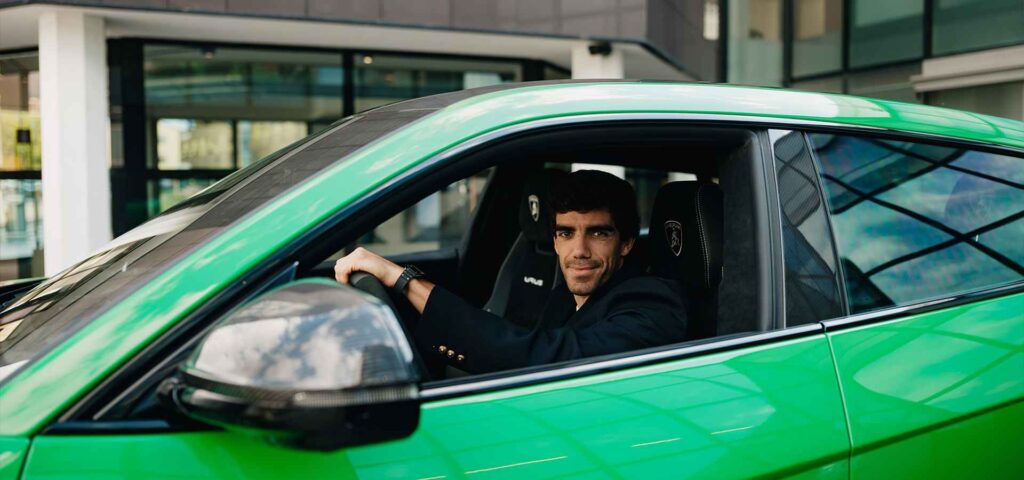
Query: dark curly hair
[(589, 190)]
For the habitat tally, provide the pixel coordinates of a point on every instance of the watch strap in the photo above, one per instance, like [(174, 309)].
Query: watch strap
[(410, 273)]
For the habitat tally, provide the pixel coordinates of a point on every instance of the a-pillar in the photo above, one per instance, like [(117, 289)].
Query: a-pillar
[(597, 61), (75, 126)]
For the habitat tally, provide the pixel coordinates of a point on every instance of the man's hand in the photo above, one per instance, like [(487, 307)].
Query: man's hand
[(363, 260)]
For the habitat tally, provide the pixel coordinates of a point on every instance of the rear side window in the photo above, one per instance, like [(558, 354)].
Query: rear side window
[(915, 221)]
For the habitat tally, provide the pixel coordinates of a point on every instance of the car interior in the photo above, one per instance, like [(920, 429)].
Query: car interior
[(708, 180), (698, 184)]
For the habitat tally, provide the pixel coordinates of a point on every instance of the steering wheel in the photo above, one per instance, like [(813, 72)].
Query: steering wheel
[(369, 284)]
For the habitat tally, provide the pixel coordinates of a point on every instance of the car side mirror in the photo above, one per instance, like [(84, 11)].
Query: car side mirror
[(313, 365)]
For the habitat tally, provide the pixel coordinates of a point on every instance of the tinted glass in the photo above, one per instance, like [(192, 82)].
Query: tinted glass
[(964, 25), (817, 36), (883, 31), (812, 281), (917, 221), (755, 42)]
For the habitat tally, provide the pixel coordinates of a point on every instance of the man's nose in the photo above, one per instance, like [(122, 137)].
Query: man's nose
[(580, 247)]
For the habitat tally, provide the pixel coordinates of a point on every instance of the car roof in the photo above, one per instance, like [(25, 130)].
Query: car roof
[(587, 96)]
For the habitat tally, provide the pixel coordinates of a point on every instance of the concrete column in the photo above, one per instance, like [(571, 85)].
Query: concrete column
[(608, 64), (75, 131)]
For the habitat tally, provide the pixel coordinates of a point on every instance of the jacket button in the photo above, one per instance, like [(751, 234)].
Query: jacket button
[(442, 349), (461, 358), (451, 353)]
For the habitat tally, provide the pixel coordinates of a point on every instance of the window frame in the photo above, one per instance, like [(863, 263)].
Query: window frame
[(395, 194)]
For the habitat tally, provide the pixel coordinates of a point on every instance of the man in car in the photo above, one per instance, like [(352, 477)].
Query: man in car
[(606, 305)]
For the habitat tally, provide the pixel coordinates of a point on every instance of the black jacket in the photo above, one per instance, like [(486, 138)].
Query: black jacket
[(627, 313)]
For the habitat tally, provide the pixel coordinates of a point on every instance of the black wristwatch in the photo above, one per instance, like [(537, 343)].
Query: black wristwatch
[(410, 272)]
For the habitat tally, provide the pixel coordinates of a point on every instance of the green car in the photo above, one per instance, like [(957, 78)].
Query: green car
[(861, 312)]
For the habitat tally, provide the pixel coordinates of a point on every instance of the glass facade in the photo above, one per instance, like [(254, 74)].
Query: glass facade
[(886, 31), (755, 42), (21, 226), (1001, 99), (817, 36), (384, 79), (966, 25)]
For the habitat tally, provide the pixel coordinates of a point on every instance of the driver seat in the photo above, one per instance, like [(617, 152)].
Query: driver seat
[(529, 270)]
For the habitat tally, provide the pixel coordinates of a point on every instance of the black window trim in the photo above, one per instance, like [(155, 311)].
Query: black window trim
[(67, 423)]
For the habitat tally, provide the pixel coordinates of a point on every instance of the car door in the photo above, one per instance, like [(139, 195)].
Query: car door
[(755, 404), (931, 359)]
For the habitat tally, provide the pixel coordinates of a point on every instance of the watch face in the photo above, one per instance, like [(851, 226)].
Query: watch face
[(414, 271)]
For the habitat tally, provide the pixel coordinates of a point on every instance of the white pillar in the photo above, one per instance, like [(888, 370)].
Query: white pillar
[(75, 126), (596, 65)]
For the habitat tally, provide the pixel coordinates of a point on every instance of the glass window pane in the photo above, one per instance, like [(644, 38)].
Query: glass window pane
[(817, 36), (812, 280), (20, 146), (755, 42), (217, 82), (384, 79), (887, 83), (186, 144), (168, 192), (259, 139), (965, 25), (828, 85), (436, 222), (917, 221), (1002, 99), (883, 31), (21, 228)]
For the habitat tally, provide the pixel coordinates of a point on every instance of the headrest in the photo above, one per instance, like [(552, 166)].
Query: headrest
[(535, 206), (686, 234)]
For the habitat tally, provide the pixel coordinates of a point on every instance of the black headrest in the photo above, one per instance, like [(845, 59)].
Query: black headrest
[(686, 234), (535, 206)]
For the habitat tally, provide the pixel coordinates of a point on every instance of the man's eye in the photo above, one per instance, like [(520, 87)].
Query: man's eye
[(563, 234), (601, 233)]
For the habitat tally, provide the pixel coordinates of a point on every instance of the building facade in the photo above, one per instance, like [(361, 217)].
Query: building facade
[(111, 111)]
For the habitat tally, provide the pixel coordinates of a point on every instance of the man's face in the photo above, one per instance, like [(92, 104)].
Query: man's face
[(589, 249)]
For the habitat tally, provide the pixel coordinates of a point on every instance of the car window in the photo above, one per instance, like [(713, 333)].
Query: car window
[(812, 277), (434, 223), (916, 221)]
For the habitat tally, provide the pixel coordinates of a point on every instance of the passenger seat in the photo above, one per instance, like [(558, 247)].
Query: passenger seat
[(685, 244)]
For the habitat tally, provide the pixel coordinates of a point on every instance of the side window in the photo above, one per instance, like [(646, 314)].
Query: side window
[(812, 277), (434, 223), (916, 221)]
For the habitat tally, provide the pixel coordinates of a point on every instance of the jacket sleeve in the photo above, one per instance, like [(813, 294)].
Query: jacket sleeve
[(645, 314)]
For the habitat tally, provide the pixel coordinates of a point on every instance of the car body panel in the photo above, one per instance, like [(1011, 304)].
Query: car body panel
[(932, 388), (51, 383), (12, 456), (768, 410)]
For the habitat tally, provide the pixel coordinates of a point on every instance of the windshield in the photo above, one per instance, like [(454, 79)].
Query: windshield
[(49, 313)]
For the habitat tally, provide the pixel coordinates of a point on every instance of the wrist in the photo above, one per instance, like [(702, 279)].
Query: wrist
[(391, 275)]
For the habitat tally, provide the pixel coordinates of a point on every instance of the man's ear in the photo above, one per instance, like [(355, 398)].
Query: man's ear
[(626, 247)]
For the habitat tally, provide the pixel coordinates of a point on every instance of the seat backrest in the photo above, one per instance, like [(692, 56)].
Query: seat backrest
[(685, 244), (528, 272)]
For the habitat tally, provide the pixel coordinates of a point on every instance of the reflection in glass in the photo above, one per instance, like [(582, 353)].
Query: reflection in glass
[(310, 335), (436, 222), (259, 139), (812, 281), (755, 42), (384, 79), (186, 144), (19, 112), (965, 25), (883, 31), (21, 227), (817, 36), (168, 192), (917, 221)]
